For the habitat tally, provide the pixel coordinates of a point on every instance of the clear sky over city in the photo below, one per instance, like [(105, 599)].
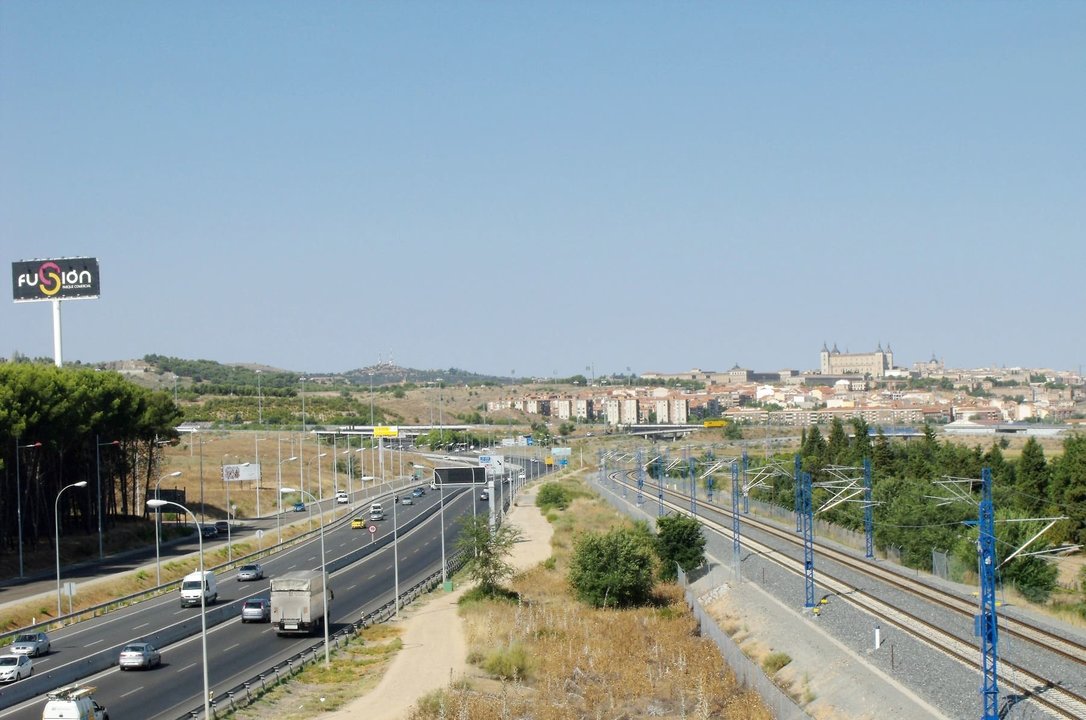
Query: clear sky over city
[(542, 188)]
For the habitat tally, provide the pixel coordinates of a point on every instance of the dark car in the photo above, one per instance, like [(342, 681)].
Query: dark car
[(223, 526), (418, 492), (209, 531), (299, 507)]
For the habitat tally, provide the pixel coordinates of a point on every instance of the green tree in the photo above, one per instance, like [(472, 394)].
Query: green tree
[(566, 429), (679, 540), (612, 569), (487, 552), (1031, 481), (837, 446), (732, 431)]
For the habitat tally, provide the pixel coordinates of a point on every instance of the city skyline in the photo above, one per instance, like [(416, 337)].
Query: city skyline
[(547, 188)]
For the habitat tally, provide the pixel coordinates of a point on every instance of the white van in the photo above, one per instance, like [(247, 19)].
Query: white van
[(194, 584), (377, 512), (74, 703)]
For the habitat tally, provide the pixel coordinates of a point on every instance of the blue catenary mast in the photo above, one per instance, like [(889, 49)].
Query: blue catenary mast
[(746, 484), (690, 466), (737, 544), (869, 519), (640, 478), (986, 622), (808, 539), (798, 486), (660, 470)]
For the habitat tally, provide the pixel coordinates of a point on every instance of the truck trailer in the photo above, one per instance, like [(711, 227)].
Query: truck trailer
[(297, 602)]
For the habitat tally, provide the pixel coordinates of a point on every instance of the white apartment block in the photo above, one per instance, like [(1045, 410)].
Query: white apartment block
[(660, 407), (611, 409), (628, 413), (582, 409), (562, 409), (680, 410)]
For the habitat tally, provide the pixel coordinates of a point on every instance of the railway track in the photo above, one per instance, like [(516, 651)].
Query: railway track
[(946, 637)]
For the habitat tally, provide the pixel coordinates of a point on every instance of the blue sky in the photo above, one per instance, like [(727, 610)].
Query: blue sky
[(545, 187)]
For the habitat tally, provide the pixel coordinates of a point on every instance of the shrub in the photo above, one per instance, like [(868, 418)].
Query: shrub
[(679, 540), (553, 495), (613, 569), (775, 661), (508, 663)]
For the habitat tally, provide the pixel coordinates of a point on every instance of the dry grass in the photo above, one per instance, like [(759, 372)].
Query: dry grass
[(580, 662), (355, 669)]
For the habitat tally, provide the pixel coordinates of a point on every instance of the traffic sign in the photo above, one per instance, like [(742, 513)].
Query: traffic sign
[(373, 529), (259, 534)]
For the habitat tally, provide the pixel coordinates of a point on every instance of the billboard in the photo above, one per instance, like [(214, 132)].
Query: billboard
[(386, 431), (241, 473), (56, 279), (176, 495), (561, 452), (460, 476)]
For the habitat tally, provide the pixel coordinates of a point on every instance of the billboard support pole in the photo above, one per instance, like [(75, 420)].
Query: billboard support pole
[(58, 357)]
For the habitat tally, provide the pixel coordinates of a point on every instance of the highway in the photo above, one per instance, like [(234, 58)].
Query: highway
[(236, 651)]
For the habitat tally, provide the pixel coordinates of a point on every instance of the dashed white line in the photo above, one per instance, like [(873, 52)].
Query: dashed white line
[(95, 642), (141, 626), (132, 691), (190, 665)]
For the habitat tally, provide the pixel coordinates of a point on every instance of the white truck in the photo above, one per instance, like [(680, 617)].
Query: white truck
[(297, 602), (74, 703), (194, 585)]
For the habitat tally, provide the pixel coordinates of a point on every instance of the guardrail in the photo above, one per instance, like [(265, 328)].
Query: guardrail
[(249, 691), (70, 673), (89, 613)]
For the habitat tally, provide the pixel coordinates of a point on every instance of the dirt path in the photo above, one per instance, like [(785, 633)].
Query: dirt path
[(434, 644)]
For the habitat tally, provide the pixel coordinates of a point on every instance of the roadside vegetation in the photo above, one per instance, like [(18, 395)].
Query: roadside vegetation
[(541, 653)]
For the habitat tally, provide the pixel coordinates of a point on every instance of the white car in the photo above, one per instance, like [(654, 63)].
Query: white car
[(32, 644), (15, 667), (342, 498)]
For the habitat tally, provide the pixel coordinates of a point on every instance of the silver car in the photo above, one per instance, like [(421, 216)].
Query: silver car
[(15, 667), (32, 644), (139, 655), (252, 571), (256, 610)]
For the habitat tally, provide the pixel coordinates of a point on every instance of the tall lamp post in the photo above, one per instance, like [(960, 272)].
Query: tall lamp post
[(259, 474), (320, 484), (324, 565), (279, 486), (98, 469), (259, 402), (154, 504), (158, 529), (229, 510), (396, 556), (56, 520), (19, 498)]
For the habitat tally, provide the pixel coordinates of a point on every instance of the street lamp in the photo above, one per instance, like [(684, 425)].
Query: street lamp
[(279, 486), (259, 473), (324, 566), (56, 520), (155, 504), (19, 498), (396, 557), (259, 401), (158, 529), (320, 484), (98, 469)]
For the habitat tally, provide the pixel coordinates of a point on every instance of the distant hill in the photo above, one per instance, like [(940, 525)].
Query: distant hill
[(211, 377)]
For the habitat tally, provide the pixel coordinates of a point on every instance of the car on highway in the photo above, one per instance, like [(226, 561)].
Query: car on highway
[(222, 526), (484, 495), (358, 523), (407, 500), (73, 702), (209, 531), (252, 571), (32, 644), (256, 610), (141, 655), (15, 667), (342, 498), (418, 492), (299, 507)]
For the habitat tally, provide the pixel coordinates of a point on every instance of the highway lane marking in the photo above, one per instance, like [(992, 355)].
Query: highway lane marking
[(232, 647), (132, 691), (292, 566), (190, 665), (141, 626), (371, 577), (352, 587), (95, 642)]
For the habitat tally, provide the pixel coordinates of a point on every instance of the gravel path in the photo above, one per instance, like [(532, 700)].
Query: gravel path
[(434, 645)]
